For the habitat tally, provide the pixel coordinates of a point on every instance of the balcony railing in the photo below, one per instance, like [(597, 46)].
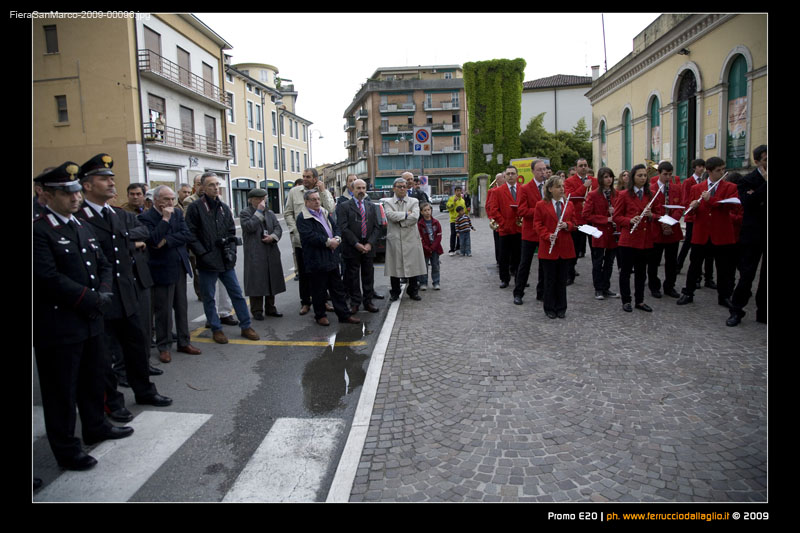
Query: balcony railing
[(186, 140), (150, 61), (361, 114), (350, 123), (390, 108)]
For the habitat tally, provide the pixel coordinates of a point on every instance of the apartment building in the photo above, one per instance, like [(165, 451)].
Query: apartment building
[(145, 90), (380, 121)]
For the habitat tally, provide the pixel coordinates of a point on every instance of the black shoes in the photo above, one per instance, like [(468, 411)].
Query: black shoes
[(685, 299), (561, 314), (710, 284), (627, 308), (735, 318), (82, 461), (153, 371), (229, 321), (371, 308), (154, 399), (415, 297), (121, 415), (112, 432), (503, 284), (672, 293), (550, 314), (274, 313), (257, 315), (517, 300), (656, 294), (644, 307)]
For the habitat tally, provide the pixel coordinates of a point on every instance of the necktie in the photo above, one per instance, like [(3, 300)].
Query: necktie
[(514, 192), (639, 194), (106, 215), (540, 189), (558, 209), (363, 219), (713, 191)]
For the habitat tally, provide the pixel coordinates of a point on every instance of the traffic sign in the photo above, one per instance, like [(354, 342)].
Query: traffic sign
[(422, 141)]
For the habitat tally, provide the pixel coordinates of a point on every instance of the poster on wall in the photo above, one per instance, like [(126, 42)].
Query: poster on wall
[(655, 143), (737, 130)]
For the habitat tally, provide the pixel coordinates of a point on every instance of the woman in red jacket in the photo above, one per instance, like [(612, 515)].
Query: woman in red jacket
[(631, 210), (597, 211), (555, 263)]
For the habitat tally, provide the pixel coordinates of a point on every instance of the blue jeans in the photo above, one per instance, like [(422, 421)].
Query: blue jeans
[(432, 263), (464, 243), (208, 285)]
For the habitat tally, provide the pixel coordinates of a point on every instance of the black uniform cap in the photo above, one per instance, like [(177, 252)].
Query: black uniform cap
[(98, 165), (64, 177)]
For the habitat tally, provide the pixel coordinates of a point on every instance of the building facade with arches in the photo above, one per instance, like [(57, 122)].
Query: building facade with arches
[(694, 86)]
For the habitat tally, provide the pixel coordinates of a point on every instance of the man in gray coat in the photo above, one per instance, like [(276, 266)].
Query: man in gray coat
[(263, 273), (404, 255)]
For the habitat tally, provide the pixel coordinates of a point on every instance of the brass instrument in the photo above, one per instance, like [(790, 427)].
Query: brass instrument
[(652, 168), (493, 225)]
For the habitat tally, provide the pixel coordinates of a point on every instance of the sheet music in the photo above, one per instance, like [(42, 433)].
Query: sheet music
[(591, 230), (666, 219)]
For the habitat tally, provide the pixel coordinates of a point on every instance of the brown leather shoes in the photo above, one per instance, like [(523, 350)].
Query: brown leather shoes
[(351, 320), (220, 338), (305, 309), (323, 321), (164, 357), (251, 334), (189, 349), (371, 308)]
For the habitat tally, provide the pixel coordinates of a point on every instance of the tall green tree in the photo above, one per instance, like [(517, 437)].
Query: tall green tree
[(494, 100), (562, 148)]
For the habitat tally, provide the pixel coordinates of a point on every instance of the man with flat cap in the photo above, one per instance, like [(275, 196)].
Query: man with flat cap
[(122, 320), (263, 272), (71, 291)]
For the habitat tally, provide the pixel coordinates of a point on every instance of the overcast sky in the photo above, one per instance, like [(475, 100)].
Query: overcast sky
[(329, 55)]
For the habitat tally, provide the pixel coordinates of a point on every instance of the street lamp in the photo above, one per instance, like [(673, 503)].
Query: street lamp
[(281, 109), (311, 138)]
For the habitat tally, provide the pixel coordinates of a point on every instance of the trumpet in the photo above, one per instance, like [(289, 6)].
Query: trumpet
[(493, 225)]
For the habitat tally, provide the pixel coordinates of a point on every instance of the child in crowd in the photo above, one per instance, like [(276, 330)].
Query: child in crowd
[(463, 227), (430, 232)]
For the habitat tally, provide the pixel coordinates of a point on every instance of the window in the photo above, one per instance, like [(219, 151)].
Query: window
[(291, 159), (231, 117), (305, 134), (260, 155), (274, 124), (61, 108), (603, 145), (627, 145), (229, 77), (250, 114), (305, 160), (50, 39), (283, 159), (297, 155), (264, 75), (258, 117), (251, 152), (283, 128), (274, 157), (232, 142), (448, 75), (736, 146), (457, 143)]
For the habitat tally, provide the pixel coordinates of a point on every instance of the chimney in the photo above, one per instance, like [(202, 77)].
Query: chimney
[(595, 72)]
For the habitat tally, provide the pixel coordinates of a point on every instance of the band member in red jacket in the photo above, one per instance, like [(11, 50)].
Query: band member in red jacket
[(577, 186), (529, 195), (554, 220), (597, 211), (713, 234), (631, 210), (699, 176), (502, 207), (667, 237)]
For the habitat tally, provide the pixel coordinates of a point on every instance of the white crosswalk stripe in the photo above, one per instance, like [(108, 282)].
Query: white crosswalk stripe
[(124, 465), (290, 463)]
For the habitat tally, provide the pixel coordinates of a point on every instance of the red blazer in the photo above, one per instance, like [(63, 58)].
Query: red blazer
[(675, 198), (574, 186), (545, 221), (629, 206), (498, 207), (686, 192), (528, 196), (712, 219), (595, 212)]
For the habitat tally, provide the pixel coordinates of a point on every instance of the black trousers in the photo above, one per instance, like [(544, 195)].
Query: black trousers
[(724, 258), (751, 255), (136, 354), (324, 283), (670, 253), (496, 238), (632, 260), (554, 293), (510, 246), (602, 267), (303, 276), (359, 278), (413, 286), (708, 271), (71, 375), (453, 238), (527, 251)]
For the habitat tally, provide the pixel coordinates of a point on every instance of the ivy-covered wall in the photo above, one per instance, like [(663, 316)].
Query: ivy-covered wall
[(494, 101)]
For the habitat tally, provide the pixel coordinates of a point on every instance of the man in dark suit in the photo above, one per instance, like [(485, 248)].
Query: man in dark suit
[(347, 193), (320, 238), (169, 265), (122, 319), (358, 221), (71, 290), (752, 241)]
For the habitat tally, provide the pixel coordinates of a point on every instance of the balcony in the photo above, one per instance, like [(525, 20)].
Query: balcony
[(389, 129), (441, 106), (350, 124), (349, 143), (398, 108), (362, 134), (153, 66), (362, 154), (445, 126), (186, 141), (362, 114)]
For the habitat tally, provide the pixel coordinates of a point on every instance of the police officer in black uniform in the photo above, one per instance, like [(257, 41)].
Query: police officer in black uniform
[(71, 290), (122, 319)]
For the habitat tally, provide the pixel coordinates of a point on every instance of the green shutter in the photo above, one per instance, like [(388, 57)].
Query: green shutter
[(737, 114)]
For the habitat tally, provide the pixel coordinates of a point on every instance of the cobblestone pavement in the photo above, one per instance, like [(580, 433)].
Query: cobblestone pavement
[(483, 400)]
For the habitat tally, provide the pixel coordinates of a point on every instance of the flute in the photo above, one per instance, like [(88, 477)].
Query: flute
[(709, 189), (555, 235), (660, 188)]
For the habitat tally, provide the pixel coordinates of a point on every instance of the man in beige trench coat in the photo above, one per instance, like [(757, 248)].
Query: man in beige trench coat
[(404, 255)]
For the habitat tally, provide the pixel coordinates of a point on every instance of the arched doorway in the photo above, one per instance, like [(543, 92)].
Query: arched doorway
[(686, 132)]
